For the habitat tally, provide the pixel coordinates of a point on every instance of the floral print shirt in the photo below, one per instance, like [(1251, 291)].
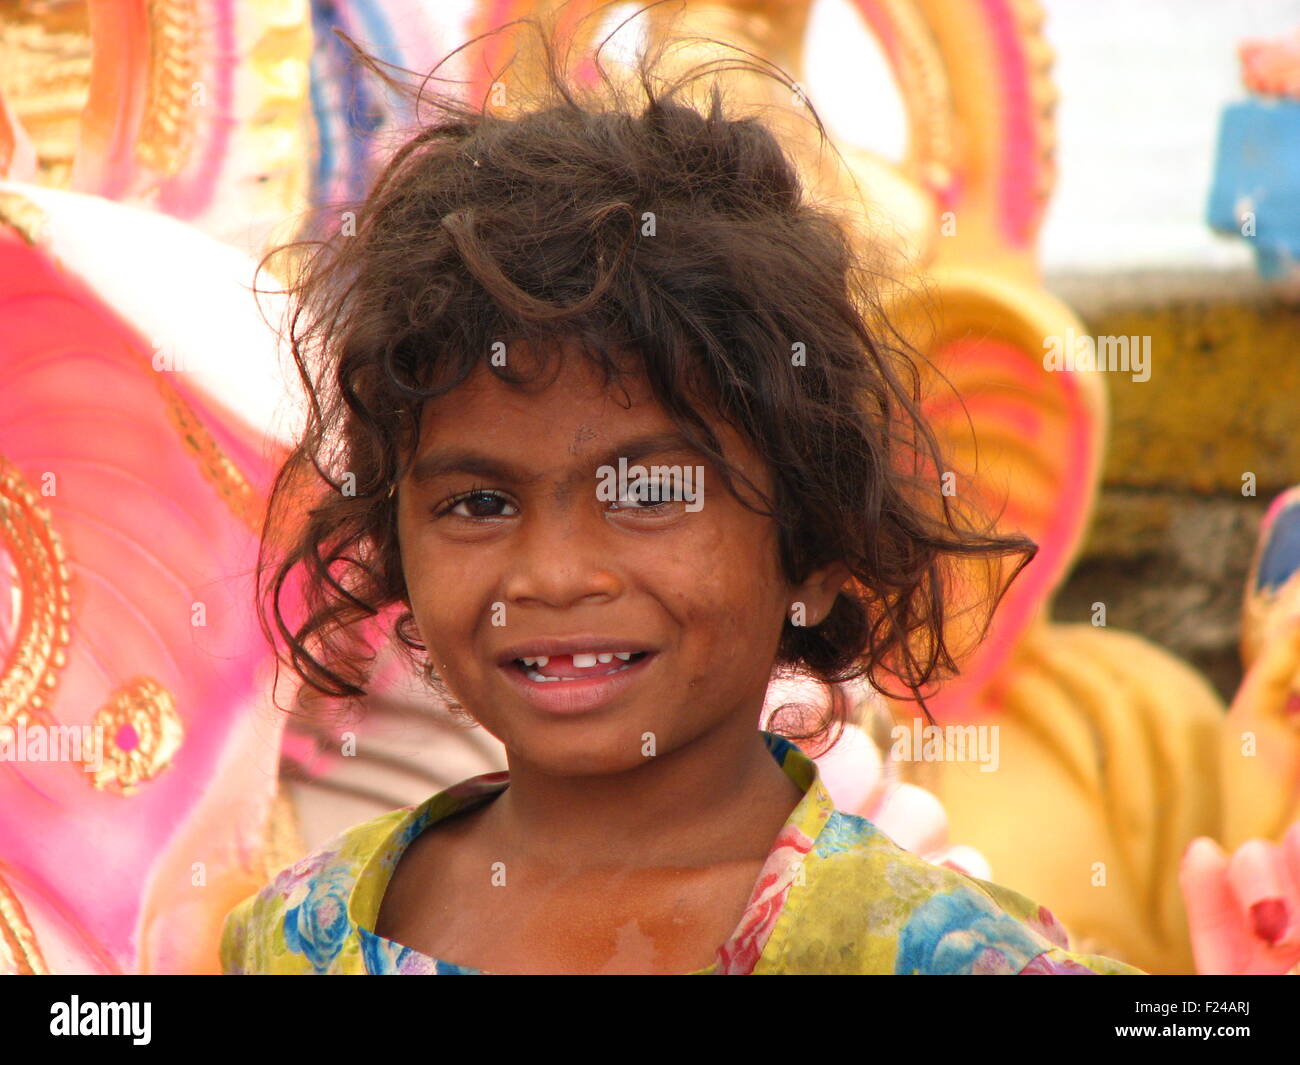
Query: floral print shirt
[(835, 895)]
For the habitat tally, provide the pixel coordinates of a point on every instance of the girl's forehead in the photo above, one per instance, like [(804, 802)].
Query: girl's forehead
[(560, 424), (562, 405), (571, 396), (583, 434)]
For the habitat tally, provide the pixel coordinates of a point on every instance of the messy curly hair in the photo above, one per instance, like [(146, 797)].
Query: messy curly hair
[(527, 226)]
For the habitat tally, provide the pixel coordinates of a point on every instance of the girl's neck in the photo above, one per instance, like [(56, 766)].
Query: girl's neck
[(720, 798)]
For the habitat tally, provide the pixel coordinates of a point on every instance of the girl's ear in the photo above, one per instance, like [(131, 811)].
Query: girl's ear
[(818, 591)]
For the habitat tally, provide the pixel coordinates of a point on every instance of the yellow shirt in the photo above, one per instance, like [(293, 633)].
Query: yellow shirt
[(835, 895)]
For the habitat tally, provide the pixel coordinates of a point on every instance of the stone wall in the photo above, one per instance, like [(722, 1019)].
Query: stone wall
[(1172, 533)]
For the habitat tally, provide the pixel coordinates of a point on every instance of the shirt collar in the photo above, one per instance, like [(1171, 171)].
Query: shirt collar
[(781, 870)]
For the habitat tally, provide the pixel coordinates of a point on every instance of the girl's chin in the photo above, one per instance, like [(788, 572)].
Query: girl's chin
[(588, 751)]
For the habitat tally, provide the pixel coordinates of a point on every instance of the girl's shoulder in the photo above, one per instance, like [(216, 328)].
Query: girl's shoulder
[(313, 915), (304, 919), (866, 905)]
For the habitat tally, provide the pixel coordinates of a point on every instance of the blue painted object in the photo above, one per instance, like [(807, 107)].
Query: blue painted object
[(1257, 172), (1280, 558)]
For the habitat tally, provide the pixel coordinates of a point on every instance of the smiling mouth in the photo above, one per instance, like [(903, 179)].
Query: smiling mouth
[(559, 668)]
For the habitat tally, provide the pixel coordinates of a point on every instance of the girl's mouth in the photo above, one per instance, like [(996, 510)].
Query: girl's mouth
[(578, 683), (561, 668)]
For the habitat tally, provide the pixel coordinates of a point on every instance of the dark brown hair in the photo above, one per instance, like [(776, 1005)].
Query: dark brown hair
[(491, 227)]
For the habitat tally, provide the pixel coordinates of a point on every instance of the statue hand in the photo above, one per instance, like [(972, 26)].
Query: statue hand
[(1260, 750), (1243, 911)]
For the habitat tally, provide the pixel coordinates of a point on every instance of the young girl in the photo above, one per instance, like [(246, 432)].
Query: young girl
[(600, 404)]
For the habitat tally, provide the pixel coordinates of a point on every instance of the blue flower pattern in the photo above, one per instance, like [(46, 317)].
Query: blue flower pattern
[(318, 926), (954, 934)]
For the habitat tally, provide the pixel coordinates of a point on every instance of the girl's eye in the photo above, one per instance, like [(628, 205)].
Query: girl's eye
[(651, 495), (480, 503)]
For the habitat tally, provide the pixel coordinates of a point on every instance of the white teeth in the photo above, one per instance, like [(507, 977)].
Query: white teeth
[(583, 661), (580, 661), (539, 678)]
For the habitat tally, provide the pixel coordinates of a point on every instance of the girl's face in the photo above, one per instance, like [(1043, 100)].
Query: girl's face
[(519, 542)]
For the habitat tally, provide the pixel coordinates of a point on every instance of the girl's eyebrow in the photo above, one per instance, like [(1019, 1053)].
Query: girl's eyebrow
[(441, 461)]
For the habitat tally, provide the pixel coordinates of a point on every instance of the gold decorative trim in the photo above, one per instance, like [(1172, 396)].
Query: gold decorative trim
[(927, 96), (148, 710), (39, 653), (166, 129), (24, 217), (18, 938), (46, 60), (217, 468)]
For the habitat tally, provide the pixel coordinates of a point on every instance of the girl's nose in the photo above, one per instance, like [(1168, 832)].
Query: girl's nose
[(561, 561)]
